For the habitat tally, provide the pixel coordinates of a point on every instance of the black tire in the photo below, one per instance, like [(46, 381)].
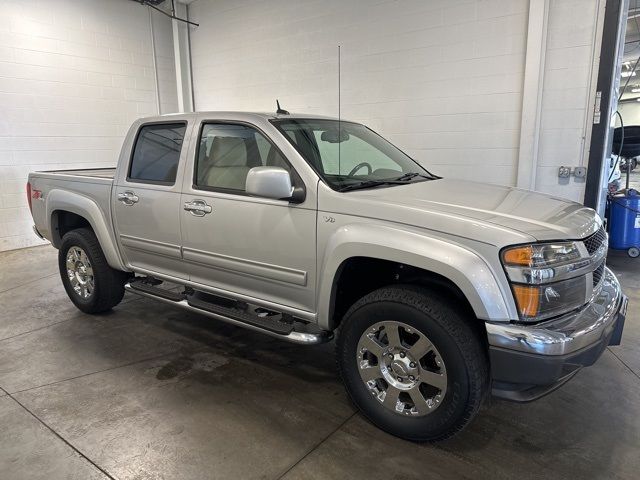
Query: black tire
[(460, 348), (108, 283)]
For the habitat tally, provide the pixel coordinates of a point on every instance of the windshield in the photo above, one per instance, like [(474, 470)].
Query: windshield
[(349, 155)]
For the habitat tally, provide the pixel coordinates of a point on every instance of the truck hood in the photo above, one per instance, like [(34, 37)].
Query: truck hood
[(491, 213)]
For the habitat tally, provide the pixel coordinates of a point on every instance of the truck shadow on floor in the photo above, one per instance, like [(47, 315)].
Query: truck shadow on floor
[(311, 363)]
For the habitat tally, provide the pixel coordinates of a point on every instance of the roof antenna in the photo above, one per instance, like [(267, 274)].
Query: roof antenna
[(339, 117), (280, 111)]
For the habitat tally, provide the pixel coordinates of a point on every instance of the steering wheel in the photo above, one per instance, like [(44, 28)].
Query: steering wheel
[(359, 166)]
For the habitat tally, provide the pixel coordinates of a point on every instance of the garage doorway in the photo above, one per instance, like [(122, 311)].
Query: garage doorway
[(610, 71)]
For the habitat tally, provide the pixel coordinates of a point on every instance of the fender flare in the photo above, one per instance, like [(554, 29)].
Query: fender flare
[(61, 200), (462, 266)]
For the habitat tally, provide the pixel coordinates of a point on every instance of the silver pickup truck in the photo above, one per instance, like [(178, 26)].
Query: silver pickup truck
[(442, 291)]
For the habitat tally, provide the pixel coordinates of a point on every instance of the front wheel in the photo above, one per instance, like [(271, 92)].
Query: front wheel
[(92, 285), (412, 364)]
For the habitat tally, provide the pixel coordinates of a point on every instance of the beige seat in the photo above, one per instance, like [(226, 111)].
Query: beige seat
[(227, 163)]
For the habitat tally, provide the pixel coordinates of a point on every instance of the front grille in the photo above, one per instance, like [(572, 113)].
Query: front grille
[(597, 274), (594, 242)]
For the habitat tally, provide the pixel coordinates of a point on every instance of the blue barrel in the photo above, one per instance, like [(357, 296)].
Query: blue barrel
[(624, 222)]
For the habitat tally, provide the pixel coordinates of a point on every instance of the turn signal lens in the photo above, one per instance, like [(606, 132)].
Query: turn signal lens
[(538, 302), (519, 256), (527, 299), (541, 254)]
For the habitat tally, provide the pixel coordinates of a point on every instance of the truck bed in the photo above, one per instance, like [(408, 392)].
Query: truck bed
[(74, 187)]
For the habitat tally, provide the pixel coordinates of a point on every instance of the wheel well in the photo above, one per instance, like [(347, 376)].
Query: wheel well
[(63, 222), (358, 276)]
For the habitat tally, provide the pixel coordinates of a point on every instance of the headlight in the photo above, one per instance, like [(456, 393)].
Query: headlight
[(547, 279)]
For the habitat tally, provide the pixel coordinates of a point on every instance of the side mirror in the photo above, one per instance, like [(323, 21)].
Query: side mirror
[(269, 182)]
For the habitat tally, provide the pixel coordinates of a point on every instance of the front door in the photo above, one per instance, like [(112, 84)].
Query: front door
[(256, 247), (146, 204)]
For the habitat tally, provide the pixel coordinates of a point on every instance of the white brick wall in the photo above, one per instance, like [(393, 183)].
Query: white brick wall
[(565, 100), (441, 79), (630, 112), (73, 76)]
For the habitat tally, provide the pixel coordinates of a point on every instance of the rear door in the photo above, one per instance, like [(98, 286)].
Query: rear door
[(146, 200)]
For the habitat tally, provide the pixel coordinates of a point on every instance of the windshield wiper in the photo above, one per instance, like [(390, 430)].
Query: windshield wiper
[(410, 175), (369, 184), (401, 180)]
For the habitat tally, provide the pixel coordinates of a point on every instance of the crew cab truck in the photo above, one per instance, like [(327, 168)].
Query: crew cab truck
[(441, 292)]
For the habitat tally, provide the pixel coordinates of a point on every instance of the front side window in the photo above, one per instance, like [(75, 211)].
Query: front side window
[(157, 153), (347, 154), (228, 151)]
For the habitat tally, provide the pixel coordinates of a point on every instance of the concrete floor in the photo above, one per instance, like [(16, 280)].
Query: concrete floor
[(148, 392)]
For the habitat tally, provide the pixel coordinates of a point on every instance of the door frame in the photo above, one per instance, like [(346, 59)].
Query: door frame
[(607, 91)]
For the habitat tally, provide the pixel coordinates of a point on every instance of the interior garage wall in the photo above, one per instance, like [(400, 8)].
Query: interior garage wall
[(73, 75), (441, 79), (570, 69), (630, 112)]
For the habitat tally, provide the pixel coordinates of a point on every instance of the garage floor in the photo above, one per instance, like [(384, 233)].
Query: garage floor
[(148, 392)]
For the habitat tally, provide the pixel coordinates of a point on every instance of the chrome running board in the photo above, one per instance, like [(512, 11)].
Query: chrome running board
[(284, 331)]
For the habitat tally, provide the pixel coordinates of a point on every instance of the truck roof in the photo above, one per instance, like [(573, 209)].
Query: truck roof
[(231, 115)]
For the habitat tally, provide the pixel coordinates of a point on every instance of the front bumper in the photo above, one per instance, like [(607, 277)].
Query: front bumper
[(529, 361)]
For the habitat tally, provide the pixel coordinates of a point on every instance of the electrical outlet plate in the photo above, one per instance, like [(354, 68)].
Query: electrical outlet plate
[(580, 172), (564, 172)]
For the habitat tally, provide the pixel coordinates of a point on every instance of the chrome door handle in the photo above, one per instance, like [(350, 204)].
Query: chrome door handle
[(128, 198), (199, 208)]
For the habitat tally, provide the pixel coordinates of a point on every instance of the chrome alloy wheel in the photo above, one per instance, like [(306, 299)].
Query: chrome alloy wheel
[(80, 272), (401, 368)]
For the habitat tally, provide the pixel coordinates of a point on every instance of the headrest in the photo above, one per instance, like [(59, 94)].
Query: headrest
[(228, 152)]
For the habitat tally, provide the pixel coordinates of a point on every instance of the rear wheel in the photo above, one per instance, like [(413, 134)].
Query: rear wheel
[(412, 364), (92, 285)]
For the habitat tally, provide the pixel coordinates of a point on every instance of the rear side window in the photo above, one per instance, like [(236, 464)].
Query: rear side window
[(157, 153)]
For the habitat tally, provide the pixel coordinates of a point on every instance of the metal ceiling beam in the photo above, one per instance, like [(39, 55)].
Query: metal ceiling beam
[(154, 4)]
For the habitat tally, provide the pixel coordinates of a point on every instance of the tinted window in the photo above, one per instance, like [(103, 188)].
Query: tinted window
[(157, 152), (227, 153)]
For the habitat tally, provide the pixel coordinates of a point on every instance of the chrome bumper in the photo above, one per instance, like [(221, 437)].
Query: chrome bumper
[(567, 334), (529, 361)]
